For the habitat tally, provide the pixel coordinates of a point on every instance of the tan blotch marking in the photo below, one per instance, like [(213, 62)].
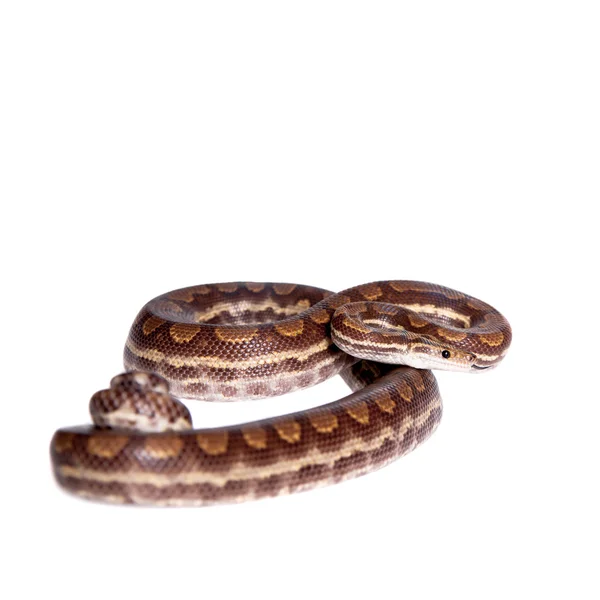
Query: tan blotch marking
[(283, 289), (385, 403), (202, 289), (405, 390), (256, 437), (492, 339), (323, 422), (476, 304), (290, 431), (359, 412), (255, 287), (106, 446), (151, 324), (63, 442), (235, 335), (290, 328), (454, 336), (184, 295), (227, 287), (338, 301), (213, 442), (356, 325), (402, 286), (371, 292), (184, 332), (417, 380), (303, 303), (163, 447), (417, 321), (320, 316)]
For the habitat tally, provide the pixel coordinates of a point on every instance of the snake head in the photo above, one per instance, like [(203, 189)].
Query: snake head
[(428, 354)]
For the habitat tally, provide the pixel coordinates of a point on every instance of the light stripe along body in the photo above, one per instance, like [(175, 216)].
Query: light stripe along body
[(251, 340)]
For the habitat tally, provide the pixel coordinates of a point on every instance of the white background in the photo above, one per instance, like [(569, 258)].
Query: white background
[(148, 146)]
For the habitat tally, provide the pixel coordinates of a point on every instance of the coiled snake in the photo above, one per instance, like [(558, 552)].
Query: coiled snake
[(251, 340)]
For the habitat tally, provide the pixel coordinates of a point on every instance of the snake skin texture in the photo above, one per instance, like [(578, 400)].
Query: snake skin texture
[(231, 341)]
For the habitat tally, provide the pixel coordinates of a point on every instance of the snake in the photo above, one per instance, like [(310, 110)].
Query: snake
[(251, 340)]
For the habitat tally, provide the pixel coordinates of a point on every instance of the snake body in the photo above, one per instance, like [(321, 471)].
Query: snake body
[(252, 340)]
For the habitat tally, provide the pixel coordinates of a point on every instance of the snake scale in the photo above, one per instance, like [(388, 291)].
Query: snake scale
[(252, 340)]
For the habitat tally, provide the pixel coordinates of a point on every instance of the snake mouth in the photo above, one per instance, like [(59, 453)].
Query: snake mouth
[(481, 368)]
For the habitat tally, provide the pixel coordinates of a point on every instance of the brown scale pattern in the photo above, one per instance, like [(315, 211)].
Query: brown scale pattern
[(109, 465), (380, 327), (140, 396), (223, 341)]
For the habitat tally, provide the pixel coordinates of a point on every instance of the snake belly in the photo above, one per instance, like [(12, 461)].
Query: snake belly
[(252, 340)]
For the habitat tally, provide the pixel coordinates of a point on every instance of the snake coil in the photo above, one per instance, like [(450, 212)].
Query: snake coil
[(251, 340)]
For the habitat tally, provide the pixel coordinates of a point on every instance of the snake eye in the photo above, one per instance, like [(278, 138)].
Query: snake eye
[(446, 353)]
